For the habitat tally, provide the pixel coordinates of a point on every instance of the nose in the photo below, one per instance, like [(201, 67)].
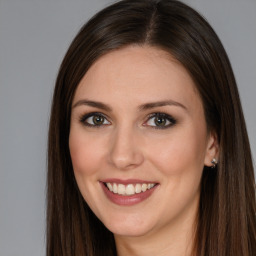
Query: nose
[(125, 151)]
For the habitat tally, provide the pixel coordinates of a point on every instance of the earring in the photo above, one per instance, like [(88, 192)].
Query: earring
[(214, 163)]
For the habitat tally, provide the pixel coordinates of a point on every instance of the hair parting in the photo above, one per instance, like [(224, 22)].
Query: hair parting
[(226, 224)]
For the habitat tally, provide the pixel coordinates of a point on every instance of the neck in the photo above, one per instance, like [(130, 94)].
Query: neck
[(174, 239)]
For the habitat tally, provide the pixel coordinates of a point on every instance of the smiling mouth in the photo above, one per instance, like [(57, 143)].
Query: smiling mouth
[(129, 189), (128, 192)]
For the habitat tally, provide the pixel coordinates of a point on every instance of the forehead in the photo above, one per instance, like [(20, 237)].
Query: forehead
[(137, 74)]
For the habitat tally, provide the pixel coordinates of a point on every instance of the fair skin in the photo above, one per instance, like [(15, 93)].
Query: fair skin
[(128, 139)]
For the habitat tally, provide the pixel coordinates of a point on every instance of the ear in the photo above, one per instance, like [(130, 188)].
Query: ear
[(212, 149)]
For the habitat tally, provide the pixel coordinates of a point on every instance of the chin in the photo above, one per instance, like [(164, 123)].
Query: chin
[(129, 228), (129, 232)]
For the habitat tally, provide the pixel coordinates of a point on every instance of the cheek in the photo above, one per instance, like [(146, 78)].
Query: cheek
[(85, 153), (180, 153)]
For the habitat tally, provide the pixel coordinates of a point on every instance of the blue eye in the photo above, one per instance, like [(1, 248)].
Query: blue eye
[(160, 121), (94, 119)]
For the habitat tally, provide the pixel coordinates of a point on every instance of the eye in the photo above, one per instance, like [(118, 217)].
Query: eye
[(94, 119), (160, 121)]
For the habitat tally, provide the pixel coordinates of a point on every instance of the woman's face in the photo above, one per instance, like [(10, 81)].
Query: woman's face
[(138, 127)]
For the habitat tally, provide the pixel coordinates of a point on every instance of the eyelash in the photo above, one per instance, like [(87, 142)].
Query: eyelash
[(166, 117), (94, 114)]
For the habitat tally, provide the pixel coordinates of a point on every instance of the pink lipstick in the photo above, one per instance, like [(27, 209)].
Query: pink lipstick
[(128, 192)]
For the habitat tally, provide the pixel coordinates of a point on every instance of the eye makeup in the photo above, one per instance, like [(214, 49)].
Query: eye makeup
[(94, 120), (160, 120), (157, 120)]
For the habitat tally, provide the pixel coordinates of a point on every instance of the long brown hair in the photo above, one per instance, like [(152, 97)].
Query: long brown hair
[(227, 210)]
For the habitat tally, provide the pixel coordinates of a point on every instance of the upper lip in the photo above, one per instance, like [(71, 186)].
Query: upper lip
[(126, 181)]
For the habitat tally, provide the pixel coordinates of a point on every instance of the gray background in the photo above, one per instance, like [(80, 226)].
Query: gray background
[(34, 36)]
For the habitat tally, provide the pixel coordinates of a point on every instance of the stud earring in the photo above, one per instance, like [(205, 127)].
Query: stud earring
[(214, 163)]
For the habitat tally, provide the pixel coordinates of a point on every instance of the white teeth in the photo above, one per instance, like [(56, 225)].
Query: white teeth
[(138, 188), (130, 189), (109, 185), (115, 188), (121, 189), (151, 185), (144, 187)]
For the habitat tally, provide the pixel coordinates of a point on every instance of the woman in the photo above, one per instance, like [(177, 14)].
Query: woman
[(148, 149)]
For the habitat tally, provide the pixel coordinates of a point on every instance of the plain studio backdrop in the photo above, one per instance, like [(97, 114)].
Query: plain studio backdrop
[(34, 36)]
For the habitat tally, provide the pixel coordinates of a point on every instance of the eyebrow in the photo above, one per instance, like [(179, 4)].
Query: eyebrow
[(94, 104), (161, 104), (142, 107)]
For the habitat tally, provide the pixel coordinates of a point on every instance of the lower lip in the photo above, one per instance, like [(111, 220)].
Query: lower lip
[(127, 200)]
